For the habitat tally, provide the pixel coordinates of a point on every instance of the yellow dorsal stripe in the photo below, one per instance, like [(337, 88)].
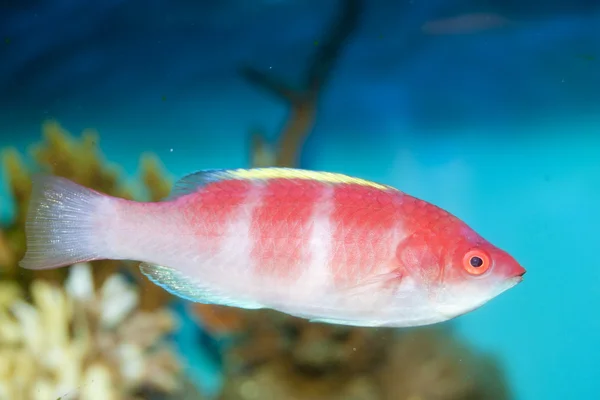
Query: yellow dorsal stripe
[(292, 173)]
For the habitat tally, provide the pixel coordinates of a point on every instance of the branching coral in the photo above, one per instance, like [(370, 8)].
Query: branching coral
[(80, 160), (75, 343)]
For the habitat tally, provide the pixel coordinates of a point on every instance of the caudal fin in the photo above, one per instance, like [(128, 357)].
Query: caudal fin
[(62, 227)]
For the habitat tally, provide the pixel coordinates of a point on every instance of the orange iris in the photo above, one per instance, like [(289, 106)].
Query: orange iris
[(476, 262)]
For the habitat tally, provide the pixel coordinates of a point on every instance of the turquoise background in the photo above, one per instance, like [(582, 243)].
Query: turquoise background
[(501, 128)]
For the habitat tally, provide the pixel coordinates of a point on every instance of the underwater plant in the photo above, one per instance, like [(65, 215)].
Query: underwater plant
[(74, 342)]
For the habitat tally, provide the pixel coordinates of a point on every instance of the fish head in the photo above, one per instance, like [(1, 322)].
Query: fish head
[(447, 270), (473, 271)]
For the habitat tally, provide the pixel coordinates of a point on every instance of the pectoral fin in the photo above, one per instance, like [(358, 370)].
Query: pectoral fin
[(379, 281)]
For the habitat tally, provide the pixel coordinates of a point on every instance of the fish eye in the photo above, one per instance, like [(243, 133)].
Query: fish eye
[(476, 262)]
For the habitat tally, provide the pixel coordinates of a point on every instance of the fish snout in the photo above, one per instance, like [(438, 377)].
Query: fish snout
[(517, 272), (511, 268)]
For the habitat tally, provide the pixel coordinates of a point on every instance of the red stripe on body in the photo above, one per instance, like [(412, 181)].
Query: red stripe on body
[(209, 211), (432, 233), (281, 227), (421, 216), (364, 221)]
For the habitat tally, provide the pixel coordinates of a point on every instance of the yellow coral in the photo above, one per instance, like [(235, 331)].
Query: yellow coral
[(153, 175), (80, 160), (77, 159)]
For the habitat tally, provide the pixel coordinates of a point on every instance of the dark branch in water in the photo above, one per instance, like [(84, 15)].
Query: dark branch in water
[(272, 84), (303, 101), (329, 50)]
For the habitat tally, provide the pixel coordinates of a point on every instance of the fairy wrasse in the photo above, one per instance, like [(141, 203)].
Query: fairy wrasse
[(316, 245)]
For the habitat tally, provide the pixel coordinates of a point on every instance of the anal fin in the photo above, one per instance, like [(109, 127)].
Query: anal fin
[(180, 285), (346, 322)]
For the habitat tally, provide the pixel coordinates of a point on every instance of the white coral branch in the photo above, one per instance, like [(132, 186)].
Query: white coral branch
[(73, 342)]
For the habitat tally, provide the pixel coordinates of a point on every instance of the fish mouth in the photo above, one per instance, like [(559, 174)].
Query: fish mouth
[(519, 275), (518, 278)]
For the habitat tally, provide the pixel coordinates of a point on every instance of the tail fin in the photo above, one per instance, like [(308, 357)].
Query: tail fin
[(61, 227)]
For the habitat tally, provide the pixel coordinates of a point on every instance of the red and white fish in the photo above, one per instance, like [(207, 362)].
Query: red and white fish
[(318, 245)]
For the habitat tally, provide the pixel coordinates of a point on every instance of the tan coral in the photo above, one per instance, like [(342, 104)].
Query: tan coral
[(157, 181), (6, 252), (78, 159), (12, 238), (73, 342)]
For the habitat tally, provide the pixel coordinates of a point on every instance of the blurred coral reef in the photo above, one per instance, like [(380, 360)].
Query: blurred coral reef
[(299, 360), (75, 342)]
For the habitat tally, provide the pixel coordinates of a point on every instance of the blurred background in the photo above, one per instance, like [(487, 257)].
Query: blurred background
[(489, 109)]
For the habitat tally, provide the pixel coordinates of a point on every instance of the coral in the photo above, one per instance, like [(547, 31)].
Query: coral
[(154, 177), (431, 363), (73, 342), (6, 253), (80, 160), (12, 238), (284, 357)]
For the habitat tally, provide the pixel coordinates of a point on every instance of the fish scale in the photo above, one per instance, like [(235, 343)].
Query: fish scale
[(360, 225), (208, 214), (317, 245), (281, 227)]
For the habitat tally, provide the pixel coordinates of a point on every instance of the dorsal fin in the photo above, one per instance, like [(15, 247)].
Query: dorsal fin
[(194, 181)]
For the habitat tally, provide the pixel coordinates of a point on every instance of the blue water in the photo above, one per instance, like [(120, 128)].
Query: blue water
[(501, 128)]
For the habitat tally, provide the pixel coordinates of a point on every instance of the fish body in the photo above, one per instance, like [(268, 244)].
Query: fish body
[(317, 245)]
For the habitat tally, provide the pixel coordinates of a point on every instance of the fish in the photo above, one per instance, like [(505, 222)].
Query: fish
[(322, 246)]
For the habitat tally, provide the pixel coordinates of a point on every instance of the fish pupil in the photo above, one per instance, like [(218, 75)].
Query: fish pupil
[(476, 262)]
